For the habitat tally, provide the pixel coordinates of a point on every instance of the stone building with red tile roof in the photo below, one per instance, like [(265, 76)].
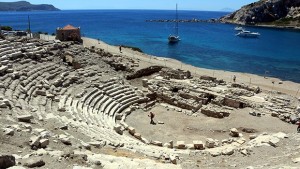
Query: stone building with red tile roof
[(68, 33)]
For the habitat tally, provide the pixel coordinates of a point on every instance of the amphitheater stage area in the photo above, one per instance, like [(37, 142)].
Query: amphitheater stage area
[(81, 106)]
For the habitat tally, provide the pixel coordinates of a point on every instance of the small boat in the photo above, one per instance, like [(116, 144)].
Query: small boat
[(175, 38), (248, 34), (238, 28)]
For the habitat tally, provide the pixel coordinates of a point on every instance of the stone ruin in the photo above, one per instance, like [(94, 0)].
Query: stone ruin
[(193, 96), (55, 104)]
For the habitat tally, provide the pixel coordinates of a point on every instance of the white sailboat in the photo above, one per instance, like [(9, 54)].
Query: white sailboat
[(248, 34), (175, 37)]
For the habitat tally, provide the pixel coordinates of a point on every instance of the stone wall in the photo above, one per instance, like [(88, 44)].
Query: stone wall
[(144, 72)]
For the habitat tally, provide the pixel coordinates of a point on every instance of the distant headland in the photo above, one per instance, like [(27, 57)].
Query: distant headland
[(25, 6), (273, 13)]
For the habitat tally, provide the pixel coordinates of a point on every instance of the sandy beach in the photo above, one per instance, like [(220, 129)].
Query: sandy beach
[(265, 83)]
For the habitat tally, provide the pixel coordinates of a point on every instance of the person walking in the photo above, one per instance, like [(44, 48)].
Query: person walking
[(234, 78), (120, 48), (151, 115), (298, 128)]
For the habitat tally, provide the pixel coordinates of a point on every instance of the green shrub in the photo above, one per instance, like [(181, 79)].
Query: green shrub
[(6, 28), (133, 48)]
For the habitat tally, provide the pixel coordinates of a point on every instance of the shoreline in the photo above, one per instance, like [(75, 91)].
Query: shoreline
[(265, 83), (294, 28)]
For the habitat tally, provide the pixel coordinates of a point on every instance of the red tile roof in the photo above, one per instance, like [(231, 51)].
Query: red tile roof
[(69, 27)]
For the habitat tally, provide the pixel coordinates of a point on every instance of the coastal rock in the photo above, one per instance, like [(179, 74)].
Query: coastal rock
[(265, 11)]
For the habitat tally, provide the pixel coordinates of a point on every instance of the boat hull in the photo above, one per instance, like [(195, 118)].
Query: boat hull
[(248, 35), (173, 39)]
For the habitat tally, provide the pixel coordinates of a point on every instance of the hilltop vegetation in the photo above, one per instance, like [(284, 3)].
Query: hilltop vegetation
[(267, 12), (25, 6)]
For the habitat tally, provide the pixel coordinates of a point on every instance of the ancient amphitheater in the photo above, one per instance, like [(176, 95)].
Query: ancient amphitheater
[(66, 105)]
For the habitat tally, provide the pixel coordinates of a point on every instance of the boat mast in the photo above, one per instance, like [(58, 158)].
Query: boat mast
[(176, 28), (29, 27)]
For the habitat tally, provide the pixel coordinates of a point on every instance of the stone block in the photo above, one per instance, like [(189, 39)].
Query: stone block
[(274, 141), (44, 143), (124, 125), (6, 101), (166, 145), (25, 118), (253, 136), (97, 144), (296, 160), (131, 130), (34, 162), (41, 92), (9, 131), (3, 69), (64, 139), (171, 142), (138, 136), (180, 145), (298, 108), (157, 143), (198, 145), (10, 70), (144, 140), (234, 132), (118, 129), (49, 95), (86, 145), (35, 141), (3, 105), (173, 159), (210, 143), (145, 82), (228, 151), (190, 146), (16, 167)]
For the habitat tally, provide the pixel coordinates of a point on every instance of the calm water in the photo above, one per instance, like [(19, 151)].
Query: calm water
[(203, 44)]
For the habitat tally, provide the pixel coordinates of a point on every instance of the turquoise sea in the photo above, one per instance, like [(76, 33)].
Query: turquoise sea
[(207, 45)]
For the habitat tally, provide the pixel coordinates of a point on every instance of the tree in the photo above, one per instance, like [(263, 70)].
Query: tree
[(6, 28)]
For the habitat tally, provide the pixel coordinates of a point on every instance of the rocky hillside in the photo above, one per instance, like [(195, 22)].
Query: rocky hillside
[(267, 12), (25, 6)]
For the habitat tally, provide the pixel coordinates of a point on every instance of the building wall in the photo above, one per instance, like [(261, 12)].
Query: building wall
[(68, 35)]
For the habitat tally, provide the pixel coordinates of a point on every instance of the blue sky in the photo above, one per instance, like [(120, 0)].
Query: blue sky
[(209, 5)]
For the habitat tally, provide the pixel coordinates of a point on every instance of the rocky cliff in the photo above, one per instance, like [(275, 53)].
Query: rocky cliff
[(267, 12), (25, 6)]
